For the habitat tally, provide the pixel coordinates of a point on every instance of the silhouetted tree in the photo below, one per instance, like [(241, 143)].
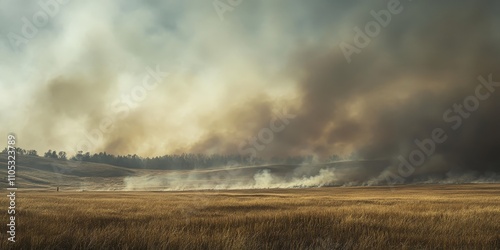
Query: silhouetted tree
[(62, 155), (48, 154), (20, 151), (32, 152)]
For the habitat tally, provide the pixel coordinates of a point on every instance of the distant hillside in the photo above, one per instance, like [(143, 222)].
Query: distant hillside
[(44, 173), (40, 172)]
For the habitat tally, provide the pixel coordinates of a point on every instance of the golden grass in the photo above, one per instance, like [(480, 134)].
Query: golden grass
[(407, 217)]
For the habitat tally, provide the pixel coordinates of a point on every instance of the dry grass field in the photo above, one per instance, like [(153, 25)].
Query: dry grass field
[(404, 217)]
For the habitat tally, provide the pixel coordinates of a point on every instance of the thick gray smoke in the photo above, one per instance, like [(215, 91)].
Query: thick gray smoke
[(435, 68), (414, 83)]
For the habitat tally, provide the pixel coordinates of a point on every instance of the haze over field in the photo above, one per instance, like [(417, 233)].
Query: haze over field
[(269, 79)]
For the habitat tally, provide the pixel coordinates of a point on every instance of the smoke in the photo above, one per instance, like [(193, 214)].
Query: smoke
[(289, 176), (261, 179), (230, 79)]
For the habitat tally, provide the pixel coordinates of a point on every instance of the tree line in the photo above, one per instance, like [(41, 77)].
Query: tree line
[(186, 161)]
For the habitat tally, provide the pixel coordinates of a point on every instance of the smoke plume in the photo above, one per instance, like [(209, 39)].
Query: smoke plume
[(79, 85)]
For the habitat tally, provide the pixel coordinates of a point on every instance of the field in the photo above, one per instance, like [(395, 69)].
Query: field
[(403, 217)]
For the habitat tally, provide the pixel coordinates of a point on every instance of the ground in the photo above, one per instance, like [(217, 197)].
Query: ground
[(402, 217)]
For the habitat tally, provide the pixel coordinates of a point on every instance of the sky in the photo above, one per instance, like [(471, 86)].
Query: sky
[(266, 78)]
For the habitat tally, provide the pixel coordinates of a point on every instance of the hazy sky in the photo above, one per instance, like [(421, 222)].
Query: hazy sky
[(77, 76)]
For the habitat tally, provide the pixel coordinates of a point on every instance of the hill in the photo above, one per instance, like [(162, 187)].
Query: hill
[(42, 173)]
